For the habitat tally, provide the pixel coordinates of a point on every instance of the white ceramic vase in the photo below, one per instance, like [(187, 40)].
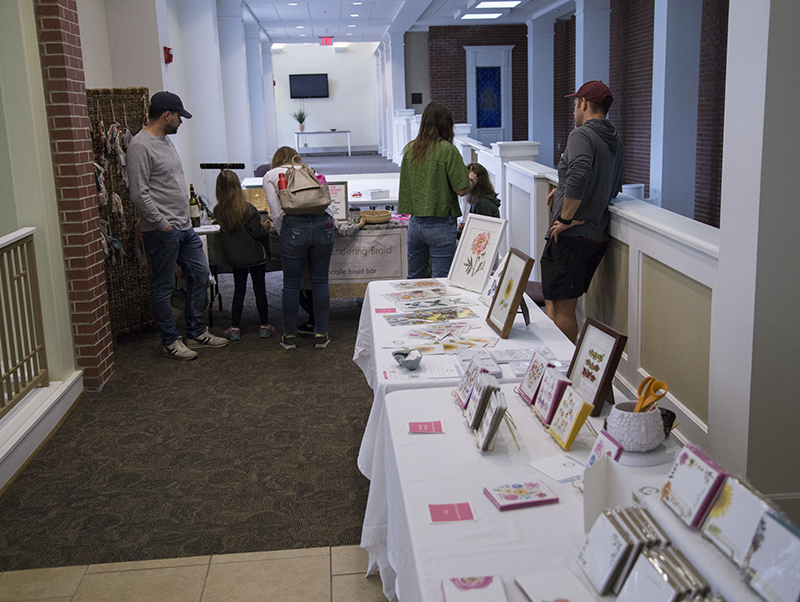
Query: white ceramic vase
[(635, 431)]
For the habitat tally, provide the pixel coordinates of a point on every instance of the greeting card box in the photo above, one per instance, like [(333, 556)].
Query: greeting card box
[(520, 494), (569, 417), (604, 553), (549, 395), (492, 417), (553, 585), (604, 445), (464, 389), (533, 378), (772, 563), (692, 485), (734, 519), (473, 589), (649, 581), (482, 391)]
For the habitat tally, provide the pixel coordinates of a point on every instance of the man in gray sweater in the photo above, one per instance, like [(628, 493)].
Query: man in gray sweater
[(590, 174), (159, 193)]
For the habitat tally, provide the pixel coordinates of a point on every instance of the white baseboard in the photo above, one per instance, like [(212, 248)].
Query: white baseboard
[(32, 420)]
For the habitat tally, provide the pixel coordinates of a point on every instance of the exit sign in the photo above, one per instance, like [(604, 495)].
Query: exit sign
[(326, 41)]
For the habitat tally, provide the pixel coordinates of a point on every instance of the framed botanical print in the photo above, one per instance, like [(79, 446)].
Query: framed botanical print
[(476, 252), (509, 292), (339, 203), (595, 361)]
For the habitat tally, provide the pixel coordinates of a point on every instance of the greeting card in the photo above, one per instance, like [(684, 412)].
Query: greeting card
[(490, 422), (549, 395), (473, 589), (520, 494), (692, 485), (603, 554), (772, 561), (649, 581), (484, 385), (554, 585), (569, 417), (450, 513), (431, 426), (533, 378), (465, 387), (734, 518), (604, 445)]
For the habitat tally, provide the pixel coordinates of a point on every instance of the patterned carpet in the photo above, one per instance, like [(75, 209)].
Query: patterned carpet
[(248, 448)]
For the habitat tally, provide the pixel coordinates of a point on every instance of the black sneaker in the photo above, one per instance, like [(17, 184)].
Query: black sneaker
[(289, 341), (321, 340), (307, 328)]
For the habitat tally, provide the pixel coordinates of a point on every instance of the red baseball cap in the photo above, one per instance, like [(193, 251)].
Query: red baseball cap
[(595, 91)]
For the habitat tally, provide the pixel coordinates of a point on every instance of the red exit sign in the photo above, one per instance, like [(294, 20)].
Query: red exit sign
[(326, 41)]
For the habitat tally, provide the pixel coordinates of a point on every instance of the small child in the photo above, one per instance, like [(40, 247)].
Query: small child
[(244, 241), (306, 296)]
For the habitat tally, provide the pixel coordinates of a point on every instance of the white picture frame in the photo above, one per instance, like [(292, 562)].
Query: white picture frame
[(339, 202), (476, 252)]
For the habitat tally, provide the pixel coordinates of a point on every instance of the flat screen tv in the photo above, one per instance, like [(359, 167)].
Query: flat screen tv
[(308, 85)]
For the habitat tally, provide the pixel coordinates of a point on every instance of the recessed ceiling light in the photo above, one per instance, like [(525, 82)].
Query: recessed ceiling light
[(351, 25), (357, 3), (348, 33), (482, 15), (302, 35), (354, 15), (498, 4), (299, 27), (292, 3)]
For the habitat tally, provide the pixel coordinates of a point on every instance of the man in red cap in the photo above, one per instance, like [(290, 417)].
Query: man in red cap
[(590, 174)]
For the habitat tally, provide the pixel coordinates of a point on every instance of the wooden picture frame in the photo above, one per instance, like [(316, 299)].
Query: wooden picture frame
[(339, 201), (508, 295), (476, 252), (595, 362)]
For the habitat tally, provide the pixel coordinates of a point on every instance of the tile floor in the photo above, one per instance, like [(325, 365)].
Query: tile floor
[(311, 575)]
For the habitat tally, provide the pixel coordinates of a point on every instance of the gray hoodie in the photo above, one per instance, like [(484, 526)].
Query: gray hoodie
[(591, 169)]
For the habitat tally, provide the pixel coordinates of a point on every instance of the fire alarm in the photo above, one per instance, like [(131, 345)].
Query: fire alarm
[(167, 55)]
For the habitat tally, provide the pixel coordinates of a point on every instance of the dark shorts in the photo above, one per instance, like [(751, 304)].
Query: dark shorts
[(568, 266)]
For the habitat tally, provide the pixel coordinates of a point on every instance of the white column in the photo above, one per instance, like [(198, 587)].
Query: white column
[(233, 61), (379, 100), (676, 69), (592, 40), (540, 86), (753, 409), (255, 89), (270, 113), (395, 85)]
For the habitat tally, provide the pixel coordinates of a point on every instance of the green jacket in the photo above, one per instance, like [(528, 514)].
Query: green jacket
[(429, 189)]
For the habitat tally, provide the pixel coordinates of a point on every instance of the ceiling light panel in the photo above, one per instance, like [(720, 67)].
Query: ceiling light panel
[(498, 4), (476, 16)]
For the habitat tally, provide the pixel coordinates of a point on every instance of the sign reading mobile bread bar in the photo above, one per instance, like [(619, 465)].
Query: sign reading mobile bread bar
[(370, 255)]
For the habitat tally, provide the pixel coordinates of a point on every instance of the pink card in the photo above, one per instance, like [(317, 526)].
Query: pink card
[(448, 513), (431, 426), (385, 310)]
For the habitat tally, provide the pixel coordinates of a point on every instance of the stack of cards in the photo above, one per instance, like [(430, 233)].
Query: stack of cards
[(521, 494), (473, 589), (662, 576), (548, 396), (692, 486), (485, 384), (492, 417), (734, 519), (771, 565), (465, 387), (604, 553), (533, 378), (567, 420)]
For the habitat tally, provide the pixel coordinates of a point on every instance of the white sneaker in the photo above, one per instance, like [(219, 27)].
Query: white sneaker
[(178, 350), (206, 340)]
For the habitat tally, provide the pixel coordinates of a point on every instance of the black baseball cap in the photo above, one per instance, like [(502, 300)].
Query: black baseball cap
[(168, 101)]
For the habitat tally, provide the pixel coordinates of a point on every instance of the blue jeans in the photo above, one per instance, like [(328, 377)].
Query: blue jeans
[(164, 250), (434, 239), (306, 238)]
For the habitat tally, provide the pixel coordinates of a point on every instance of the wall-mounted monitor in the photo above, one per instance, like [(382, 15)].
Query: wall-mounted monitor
[(308, 85)]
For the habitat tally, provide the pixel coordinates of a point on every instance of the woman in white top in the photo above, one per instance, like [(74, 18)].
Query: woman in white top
[(303, 238)]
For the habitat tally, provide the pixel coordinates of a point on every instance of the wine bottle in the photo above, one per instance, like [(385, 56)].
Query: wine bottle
[(194, 207)]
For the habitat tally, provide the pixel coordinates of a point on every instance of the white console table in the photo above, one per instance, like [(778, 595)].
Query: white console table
[(323, 132)]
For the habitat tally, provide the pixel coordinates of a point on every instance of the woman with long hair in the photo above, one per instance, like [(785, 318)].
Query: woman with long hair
[(244, 241), (482, 198), (304, 238), (432, 177)]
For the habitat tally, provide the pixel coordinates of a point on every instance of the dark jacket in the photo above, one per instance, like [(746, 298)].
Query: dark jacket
[(248, 245), (487, 205)]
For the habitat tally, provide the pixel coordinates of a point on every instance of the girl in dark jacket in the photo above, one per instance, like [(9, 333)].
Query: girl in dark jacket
[(482, 198), (243, 240)]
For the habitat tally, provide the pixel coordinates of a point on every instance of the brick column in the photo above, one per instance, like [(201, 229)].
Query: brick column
[(71, 147)]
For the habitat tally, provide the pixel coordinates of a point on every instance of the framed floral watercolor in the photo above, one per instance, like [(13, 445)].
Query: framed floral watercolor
[(476, 252), (509, 292), (595, 361)]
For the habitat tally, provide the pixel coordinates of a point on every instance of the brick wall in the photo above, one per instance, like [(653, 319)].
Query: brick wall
[(71, 147), (447, 67), (711, 111), (563, 84)]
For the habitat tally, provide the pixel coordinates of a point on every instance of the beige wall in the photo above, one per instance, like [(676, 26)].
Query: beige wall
[(26, 173), (416, 58), (607, 297)]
